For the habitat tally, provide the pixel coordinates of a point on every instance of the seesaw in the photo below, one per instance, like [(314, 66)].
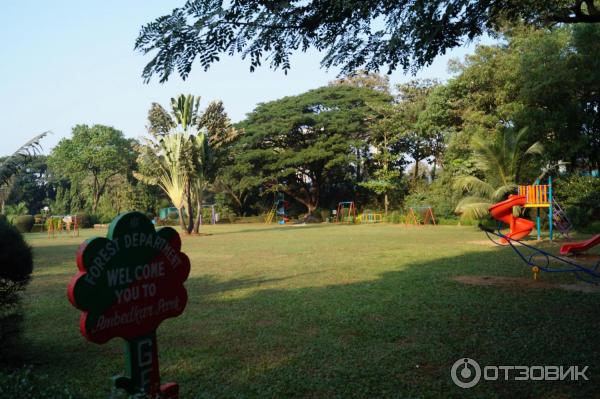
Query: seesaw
[(539, 260)]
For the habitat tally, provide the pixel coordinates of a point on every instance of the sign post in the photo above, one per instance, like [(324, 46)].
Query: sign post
[(127, 284)]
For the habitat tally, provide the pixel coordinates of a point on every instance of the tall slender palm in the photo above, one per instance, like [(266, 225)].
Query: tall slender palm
[(181, 158), (501, 160), (164, 161)]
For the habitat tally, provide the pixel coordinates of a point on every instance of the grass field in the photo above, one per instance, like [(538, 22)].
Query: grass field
[(326, 311)]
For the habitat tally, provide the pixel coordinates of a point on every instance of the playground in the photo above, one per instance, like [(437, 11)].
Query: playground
[(362, 310)]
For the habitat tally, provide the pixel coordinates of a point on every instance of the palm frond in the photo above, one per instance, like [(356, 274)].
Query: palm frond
[(473, 208), (502, 191), (14, 162), (474, 186), (536, 148)]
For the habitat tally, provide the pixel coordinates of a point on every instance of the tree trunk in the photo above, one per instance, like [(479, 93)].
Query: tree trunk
[(385, 203), (416, 170), (190, 216), (199, 218), (181, 221)]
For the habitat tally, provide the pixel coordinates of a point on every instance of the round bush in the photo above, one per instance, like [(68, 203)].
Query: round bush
[(24, 223), (84, 220), (16, 265)]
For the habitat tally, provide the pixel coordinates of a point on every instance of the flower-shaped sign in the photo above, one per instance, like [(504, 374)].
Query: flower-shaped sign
[(130, 281)]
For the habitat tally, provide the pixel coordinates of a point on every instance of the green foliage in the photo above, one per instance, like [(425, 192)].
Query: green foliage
[(354, 34), (501, 161), (24, 223), (90, 160), (31, 186), (579, 196), (26, 383), (16, 265), (305, 144), (12, 211), (14, 163), (84, 219)]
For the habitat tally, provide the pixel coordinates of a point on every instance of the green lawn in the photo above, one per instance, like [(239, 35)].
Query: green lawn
[(329, 311)]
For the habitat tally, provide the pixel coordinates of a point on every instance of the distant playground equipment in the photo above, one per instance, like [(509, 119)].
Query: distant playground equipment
[(531, 196), (419, 215), (278, 211), (59, 224), (214, 217), (345, 212), (539, 260), (368, 216), (163, 214)]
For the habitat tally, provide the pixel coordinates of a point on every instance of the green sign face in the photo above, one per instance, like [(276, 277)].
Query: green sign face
[(127, 284)]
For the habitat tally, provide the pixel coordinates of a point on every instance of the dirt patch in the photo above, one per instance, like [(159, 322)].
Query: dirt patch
[(482, 242), (528, 283)]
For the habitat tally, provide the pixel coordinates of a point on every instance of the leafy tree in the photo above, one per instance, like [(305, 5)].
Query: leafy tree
[(418, 136), (383, 139), (159, 121), (300, 144), (91, 158), (363, 78), (501, 161), (354, 34), (31, 185)]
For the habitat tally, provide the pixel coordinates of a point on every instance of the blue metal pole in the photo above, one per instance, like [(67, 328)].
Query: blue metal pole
[(551, 204), (537, 219)]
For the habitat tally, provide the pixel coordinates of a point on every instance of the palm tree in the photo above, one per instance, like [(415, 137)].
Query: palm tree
[(501, 161), (179, 161), (163, 159), (13, 164)]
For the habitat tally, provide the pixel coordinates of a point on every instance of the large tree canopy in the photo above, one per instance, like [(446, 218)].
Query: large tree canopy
[(299, 145), (91, 158), (354, 34)]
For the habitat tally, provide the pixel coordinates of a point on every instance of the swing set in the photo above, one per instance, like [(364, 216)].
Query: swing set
[(419, 216), (345, 213), (60, 224)]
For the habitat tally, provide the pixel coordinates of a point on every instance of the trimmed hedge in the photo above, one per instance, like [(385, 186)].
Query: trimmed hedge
[(24, 223)]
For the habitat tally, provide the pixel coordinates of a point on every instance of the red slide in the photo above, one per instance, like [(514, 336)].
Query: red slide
[(581, 246), (502, 211)]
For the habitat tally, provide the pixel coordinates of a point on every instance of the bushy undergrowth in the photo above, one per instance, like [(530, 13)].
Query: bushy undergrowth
[(25, 383), (24, 223), (16, 265), (580, 197)]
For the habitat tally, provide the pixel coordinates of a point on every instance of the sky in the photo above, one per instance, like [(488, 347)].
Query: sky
[(64, 63)]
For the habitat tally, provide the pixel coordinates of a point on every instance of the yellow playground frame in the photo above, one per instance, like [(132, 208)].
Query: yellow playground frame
[(369, 217)]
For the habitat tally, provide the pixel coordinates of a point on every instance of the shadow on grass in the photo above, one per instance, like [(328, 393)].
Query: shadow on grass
[(396, 336), (274, 228)]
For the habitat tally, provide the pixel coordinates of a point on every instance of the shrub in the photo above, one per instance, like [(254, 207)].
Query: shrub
[(394, 217), (580, 196), (16, 265), (325, 214), (84, 220), (25, 383), (24, 223)]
